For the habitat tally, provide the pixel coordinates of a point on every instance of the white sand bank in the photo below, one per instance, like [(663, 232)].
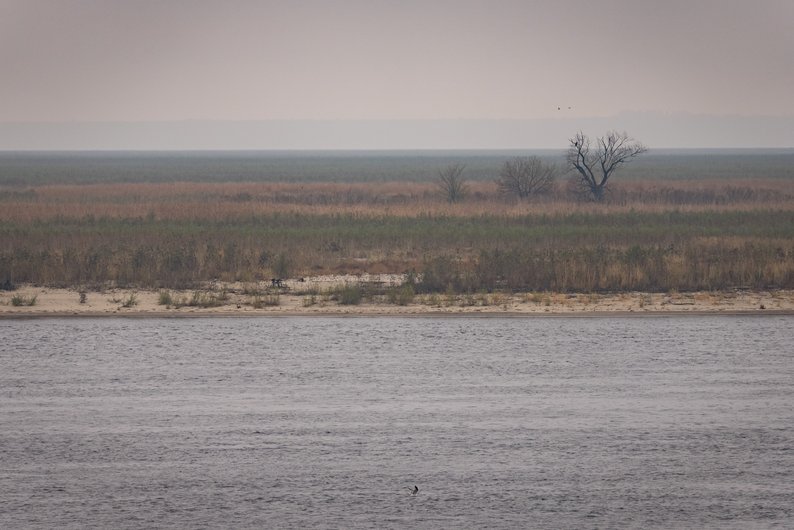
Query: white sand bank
[(312, 297)]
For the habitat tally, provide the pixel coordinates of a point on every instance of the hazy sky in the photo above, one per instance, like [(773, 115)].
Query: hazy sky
[(142, 60)]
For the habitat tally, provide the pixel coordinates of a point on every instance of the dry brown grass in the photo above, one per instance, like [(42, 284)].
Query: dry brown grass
[(651, 235), (215, 201)]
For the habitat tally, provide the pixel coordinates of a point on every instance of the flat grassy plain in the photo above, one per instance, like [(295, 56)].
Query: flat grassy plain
[(673, 221)]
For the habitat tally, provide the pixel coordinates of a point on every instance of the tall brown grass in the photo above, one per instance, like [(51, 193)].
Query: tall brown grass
[(182, 201), (654, 235)]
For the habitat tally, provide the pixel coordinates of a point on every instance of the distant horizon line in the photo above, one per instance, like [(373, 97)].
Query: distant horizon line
[(657, 131)]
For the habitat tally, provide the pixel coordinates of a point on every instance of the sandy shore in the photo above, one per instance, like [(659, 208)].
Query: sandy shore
[(312, 297)]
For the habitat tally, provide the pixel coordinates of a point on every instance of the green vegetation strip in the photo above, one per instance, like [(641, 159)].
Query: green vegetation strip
[(609, 251)]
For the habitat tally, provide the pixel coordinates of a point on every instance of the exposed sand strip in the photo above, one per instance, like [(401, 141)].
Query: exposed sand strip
[(312, 297)]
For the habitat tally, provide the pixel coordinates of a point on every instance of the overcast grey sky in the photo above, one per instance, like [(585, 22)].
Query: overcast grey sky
[(146, 60)]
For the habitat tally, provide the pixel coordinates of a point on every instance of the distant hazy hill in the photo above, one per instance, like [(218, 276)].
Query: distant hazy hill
[(656, 130)]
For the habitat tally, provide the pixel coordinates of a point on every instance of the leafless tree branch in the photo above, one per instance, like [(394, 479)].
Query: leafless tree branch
[(451, 182), (524, 176), (595, 167)]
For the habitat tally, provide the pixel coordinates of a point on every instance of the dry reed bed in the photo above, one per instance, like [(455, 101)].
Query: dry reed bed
[(185, 201), (226, 211), (677, 235)]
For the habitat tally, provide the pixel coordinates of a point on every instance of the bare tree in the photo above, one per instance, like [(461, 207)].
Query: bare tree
[(452, 183), (524, 176), (595, 165)]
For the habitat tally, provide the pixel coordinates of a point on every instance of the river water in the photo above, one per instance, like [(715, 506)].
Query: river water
[(327, 422)]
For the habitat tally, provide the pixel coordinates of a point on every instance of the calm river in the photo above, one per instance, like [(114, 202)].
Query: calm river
[(327, 422)]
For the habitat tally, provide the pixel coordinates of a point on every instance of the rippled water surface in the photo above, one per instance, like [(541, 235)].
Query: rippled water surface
[(327, 422)]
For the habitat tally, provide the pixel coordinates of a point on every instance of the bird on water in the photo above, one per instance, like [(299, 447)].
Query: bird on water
[(415, 490)]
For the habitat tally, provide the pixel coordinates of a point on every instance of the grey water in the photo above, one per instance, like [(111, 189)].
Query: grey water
[(294, 422)]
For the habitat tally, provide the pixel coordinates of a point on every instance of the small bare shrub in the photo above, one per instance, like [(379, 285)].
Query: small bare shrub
[(450, 297), (204, 299), (402, 295), (309, 300), (252, 289), (350, 294), (645, 299), (165, 298), (18, 300), (534, 298), (499, 299), (525, 176), (468, 300), (267, 300), (433, 300), (130, 301)]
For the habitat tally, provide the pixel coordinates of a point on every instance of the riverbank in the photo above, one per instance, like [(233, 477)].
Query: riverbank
[(317, 296)]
